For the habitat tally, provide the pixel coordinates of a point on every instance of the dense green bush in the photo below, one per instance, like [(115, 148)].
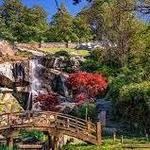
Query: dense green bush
[(37, 135), (108, 57), (90, 65), (80, 111), (116, 83), (133, 105)]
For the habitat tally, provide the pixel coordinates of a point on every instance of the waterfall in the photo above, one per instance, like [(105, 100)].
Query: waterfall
[(64, 87), (35, 74), (56, 60)]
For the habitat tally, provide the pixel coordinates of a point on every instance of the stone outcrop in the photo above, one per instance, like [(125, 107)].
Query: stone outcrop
[(8, 103), (6, 49), (64, 62), (14, 71)]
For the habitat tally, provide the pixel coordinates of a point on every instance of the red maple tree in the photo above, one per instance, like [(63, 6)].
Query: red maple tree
[(91, 84), (48, 101), (80, 98)]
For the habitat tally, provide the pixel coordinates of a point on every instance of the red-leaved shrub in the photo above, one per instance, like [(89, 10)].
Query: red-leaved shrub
[(48, 101), (80, 98), (92, 84)]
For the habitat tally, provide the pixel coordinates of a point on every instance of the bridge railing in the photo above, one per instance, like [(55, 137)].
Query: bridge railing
[(49, 119)]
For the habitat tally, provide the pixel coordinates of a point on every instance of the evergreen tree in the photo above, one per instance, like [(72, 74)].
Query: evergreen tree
[(82, 29), (20, 23), (61, 26), (65, 27)]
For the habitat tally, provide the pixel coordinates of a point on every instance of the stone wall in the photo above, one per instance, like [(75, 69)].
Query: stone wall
[(46, 45)]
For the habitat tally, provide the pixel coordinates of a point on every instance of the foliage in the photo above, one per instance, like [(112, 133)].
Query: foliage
[(62, 53), (24, 54), (61, 26), (23, 24), (64, 27), (80, 111), (82, 29), (90, 65), (37, 135), (80, 98), (134, 104), (4, 147), (129, 92), (138, 64), (91, 84), (48, 102), (117, 30), (20, 23)]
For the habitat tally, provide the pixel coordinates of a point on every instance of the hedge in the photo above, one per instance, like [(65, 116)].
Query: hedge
[(134, 105)]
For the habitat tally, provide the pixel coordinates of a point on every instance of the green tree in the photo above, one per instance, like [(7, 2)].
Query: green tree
[(11, 12), (82, 29), (34, 25), (61, 26), (20, 23), (111, 22)]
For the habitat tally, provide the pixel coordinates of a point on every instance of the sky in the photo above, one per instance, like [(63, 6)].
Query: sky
[(50, 6)]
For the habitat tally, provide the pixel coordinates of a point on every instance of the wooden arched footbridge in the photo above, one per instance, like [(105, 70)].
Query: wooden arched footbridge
[(52, 122)]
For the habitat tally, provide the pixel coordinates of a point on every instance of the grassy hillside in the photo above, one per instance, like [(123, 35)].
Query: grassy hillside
[(71, 51)]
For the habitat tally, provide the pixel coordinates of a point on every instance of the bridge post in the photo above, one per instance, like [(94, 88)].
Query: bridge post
[(88, 127), (99, 133), (55, 142), (10, 142), (49, 141)]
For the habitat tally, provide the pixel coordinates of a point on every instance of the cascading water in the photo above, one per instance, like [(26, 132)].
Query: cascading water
[(35, 83), (55, 64)]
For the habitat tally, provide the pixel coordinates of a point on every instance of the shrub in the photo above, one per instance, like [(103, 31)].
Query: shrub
[(92, 84), (36, 135), (134, 104), (48, 102), (62, 53), (90, 65), (108, 57), (80, 111), (136, 91), (80, 98), (107, 71), (116, 83)]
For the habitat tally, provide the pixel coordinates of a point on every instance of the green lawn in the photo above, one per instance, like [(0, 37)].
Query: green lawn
[(108, 144), (71, 51)]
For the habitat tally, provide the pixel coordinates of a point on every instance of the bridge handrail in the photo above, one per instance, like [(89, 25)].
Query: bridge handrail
[(49, 119), (64, 116), (47, 112)]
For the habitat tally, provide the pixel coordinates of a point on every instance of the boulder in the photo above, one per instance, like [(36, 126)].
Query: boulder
[(6, 49), (8, 103)]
